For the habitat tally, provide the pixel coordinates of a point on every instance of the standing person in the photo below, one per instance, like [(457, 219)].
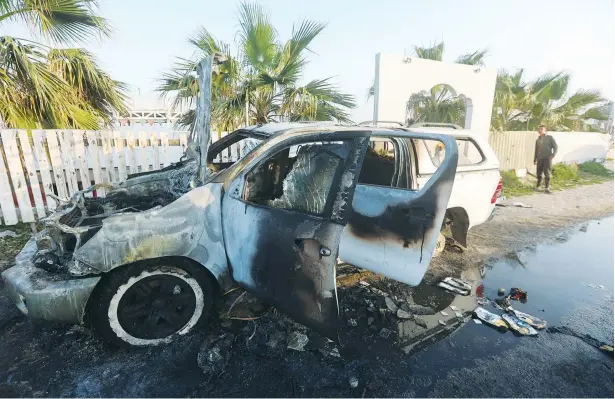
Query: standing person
[(545, 150)]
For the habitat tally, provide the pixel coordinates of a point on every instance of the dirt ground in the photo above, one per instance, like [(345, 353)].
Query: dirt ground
[(514, 228)]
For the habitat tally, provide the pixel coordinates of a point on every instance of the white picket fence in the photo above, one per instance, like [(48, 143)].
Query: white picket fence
[(34, 164)]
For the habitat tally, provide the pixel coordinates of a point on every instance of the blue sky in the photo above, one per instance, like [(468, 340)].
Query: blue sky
[(538, 35)]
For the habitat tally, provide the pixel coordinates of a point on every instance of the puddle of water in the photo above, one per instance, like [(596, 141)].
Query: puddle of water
[(557, 276)]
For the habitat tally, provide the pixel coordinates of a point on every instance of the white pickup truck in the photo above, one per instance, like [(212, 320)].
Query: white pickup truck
[(477, 185)]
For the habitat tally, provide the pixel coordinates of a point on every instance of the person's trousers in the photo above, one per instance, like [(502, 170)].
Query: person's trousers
[(543, 167)]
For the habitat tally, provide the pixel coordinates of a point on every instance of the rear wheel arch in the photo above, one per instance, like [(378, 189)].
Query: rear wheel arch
[(459, 222)]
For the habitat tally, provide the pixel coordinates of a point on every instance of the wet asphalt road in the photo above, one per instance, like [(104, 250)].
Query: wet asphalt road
[(474, 361)]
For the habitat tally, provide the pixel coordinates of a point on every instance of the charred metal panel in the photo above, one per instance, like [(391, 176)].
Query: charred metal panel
[(288, 258), (46, 296), (275, 254), (189, 227), (393, 231)]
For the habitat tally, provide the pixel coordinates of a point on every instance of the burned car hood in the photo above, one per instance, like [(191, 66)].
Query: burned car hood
[(173, 230)]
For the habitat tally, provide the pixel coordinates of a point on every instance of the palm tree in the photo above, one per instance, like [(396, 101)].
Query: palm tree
[(439, 105), (523, 105), (43, 87), (260, 84)]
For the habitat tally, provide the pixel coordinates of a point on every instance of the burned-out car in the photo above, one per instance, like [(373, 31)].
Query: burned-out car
[(144, 263)]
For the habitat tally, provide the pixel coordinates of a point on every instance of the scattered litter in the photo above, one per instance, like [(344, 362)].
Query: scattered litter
[(521, 205), (420, 310), (477, 321), (442, 322), (450, 288), (503, 303), (364, 283), (353, 381), (390, 304), (501, 291), (517, 294), (443, 313), (482, 301), (490, 318), (498, 307), (297, 341), (370, 320), (352, 322), (458, 283), (518, 325), (529, 319), (459, 315), (453, 307), (402, 314), (420, 322), (385, 332), (9, 234)]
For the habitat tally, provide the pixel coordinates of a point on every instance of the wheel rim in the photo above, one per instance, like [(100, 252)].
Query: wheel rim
[(156, 306)]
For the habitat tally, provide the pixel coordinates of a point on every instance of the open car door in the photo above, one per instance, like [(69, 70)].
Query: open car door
[(393, 230), (283, 215)]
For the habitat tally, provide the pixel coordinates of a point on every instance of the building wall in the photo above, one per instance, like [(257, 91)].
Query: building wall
[(398, 77), (515, 150)]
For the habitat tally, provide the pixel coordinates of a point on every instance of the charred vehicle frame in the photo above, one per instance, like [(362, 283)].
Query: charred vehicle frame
[(144, 263)]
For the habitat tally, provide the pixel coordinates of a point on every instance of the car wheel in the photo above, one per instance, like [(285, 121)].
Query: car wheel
[(140, 305), (440, 244)]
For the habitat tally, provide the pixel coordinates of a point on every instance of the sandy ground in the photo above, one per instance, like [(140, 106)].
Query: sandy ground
[(514, 228)]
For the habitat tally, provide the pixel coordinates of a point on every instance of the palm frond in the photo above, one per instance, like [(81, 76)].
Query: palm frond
[(258, 37), (434, 52), (60, 20), (475, 58)]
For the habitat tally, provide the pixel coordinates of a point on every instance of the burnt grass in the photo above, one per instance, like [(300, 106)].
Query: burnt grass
[(241, 353)]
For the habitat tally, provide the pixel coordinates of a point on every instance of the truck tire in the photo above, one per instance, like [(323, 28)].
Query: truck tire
[(440, 244), (140, 305)]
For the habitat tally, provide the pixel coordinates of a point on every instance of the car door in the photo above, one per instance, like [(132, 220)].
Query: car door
[(283, 216), (393, 230)]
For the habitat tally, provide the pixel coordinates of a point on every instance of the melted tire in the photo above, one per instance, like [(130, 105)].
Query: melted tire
[(109, 303)]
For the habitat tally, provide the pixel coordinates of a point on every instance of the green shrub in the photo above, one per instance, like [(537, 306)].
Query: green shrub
[(512, 185), (565, 173), (595, 168)]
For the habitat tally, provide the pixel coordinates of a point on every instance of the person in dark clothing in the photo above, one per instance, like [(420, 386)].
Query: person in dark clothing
[(545, 150)]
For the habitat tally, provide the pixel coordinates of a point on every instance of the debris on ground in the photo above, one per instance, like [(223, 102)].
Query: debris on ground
[(390, 304), (297, 341), (213, 353), (483, 301), (521, 205), (402, 314), (353, 381), (517, 325), (491, 318), (501, 291), (517, 294), (453, 289), (477, 321), (9, 234), (529, 319)]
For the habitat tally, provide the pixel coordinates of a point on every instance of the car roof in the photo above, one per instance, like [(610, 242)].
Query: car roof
[(271, 129)]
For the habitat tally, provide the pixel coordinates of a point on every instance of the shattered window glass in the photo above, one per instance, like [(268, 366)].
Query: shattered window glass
[(299, 178)]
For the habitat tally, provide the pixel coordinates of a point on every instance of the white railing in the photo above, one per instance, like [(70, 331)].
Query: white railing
[(37, 163)]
